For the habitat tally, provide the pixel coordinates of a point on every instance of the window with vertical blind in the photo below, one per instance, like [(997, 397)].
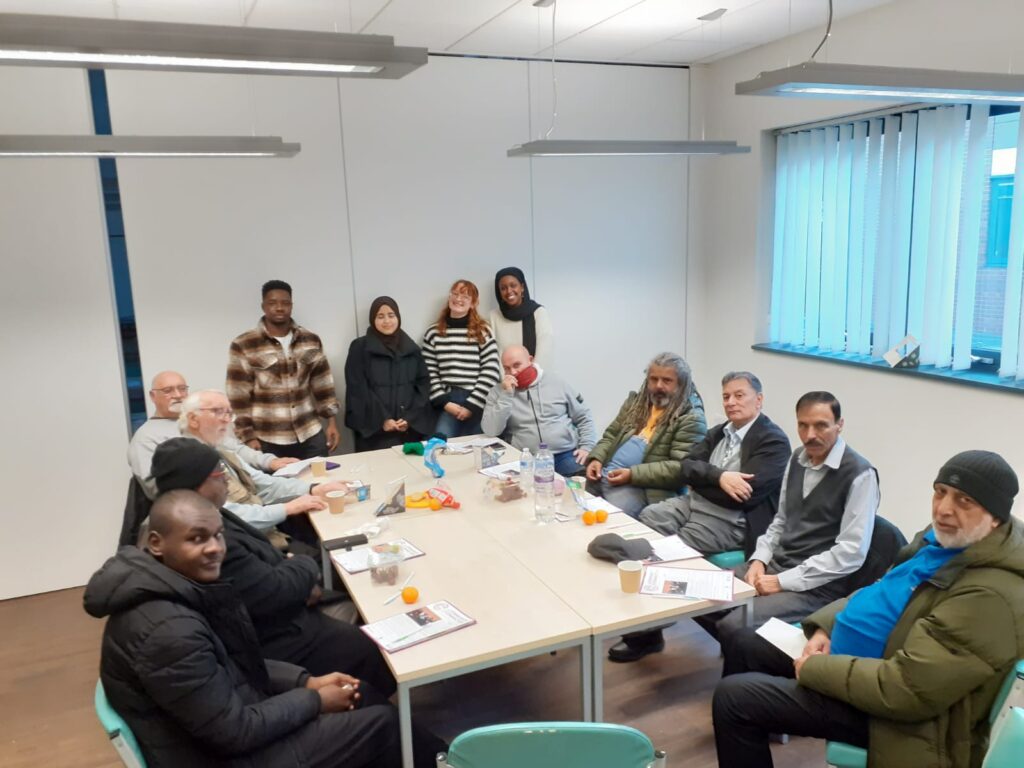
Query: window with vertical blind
[(907, 223)]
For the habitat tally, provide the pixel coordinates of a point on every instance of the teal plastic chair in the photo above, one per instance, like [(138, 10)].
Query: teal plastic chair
[(118, 732), (1007, 746), (727, 560), (552, 745), (1007, 743)]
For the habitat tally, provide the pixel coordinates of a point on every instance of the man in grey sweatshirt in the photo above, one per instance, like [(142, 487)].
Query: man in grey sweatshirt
[(530, 406)]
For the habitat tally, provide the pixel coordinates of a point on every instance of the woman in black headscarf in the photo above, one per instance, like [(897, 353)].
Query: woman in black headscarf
[(386, 383), (519, 319)]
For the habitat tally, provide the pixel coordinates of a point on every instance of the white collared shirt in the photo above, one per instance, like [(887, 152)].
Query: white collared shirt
[(855, 527)]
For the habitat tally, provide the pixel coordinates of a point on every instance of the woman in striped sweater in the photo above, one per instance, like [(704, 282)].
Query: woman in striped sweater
[(462, 360)]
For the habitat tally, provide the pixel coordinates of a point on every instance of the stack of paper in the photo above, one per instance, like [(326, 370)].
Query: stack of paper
[(687, 583), (417, 626)]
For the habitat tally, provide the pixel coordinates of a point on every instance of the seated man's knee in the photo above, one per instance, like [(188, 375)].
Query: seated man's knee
[(727, 703)]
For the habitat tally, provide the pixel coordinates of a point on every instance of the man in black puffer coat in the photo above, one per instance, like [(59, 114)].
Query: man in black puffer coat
[(281, 593), (181, 663)]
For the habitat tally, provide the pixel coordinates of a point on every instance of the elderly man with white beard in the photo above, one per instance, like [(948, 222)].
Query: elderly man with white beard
[(168, 390), (260, 499)]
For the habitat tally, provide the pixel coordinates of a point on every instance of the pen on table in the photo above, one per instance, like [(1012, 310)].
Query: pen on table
[(398, 594)]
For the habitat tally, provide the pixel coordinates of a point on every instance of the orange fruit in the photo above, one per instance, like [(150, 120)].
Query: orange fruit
[(602, 515), (410, 595), (589, 518)]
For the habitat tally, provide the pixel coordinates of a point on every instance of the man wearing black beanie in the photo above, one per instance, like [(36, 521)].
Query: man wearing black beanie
[(909, 667), (281, 593)]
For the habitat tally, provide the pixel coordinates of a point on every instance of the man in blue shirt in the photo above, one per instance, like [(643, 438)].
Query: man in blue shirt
[(909, 666)]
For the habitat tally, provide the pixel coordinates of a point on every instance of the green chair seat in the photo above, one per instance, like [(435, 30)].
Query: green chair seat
[(727, 560), (843, 755), (551, 745)]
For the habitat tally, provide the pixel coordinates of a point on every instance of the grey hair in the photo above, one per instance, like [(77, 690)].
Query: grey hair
[(751, 379), (682, 401), (191, 404)]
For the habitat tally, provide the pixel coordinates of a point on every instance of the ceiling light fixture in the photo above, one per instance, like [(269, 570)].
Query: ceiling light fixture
[(860, 81), (547, 147), (62, 41), (606, 148), (856, 81), (145, 146)]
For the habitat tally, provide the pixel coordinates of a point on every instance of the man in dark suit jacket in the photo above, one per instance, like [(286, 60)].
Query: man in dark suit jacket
[(734, 478)]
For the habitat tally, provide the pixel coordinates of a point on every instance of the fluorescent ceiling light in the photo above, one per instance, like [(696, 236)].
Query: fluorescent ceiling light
[(856, 81), (61, 41), (601, 148), (145, 146)]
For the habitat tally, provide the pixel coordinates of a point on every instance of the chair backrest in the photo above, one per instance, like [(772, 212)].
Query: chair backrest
[(1007, 746), (136, 508), (117, 729), (886, 542), (551, 745)]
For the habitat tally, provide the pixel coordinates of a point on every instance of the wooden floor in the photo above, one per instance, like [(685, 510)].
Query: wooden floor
[(49, 659)]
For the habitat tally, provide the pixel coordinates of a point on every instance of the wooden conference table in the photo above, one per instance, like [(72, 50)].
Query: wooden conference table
[(531, 588)]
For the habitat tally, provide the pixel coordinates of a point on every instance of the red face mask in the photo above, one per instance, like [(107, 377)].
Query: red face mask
[(526, 377)]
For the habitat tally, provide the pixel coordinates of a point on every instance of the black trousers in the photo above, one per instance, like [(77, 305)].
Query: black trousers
[(307, 449), (758, 695), (367, 736), (323, 645)]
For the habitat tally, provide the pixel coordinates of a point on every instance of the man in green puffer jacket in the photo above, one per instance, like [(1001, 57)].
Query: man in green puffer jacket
[(908, 667), (638, 459)]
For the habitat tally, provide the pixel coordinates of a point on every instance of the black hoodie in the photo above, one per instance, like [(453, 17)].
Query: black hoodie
[(181, 664)]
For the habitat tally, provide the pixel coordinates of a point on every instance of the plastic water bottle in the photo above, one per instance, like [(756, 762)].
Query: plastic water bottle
[(526, 470), (544, 485)]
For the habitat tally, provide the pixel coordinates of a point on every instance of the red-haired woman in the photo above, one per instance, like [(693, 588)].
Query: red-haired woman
[(462, 360)]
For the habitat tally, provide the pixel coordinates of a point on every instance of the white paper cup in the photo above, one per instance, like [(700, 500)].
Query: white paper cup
[(629, 575)]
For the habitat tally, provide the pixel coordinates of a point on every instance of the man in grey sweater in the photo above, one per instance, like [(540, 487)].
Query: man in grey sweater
[(530, 406)]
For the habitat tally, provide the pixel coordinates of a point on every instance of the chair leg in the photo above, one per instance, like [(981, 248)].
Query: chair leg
[(442, 760), (660, 759)]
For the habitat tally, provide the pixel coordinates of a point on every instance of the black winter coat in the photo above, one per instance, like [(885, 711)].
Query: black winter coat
[(383, 384), (181, 664), (274, 588)]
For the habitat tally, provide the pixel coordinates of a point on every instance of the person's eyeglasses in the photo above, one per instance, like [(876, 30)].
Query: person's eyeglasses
[(181, 390), (220, 413), (459, 297)]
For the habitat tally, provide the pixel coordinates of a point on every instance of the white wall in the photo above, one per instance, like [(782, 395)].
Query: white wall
[(906, 426), (402, 187), (62, 462)]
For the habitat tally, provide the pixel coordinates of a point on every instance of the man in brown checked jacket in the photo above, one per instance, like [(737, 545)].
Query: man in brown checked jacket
[(280, 383)]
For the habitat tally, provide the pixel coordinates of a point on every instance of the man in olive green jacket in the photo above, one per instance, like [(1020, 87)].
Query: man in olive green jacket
[(638, 459), (908, 667)]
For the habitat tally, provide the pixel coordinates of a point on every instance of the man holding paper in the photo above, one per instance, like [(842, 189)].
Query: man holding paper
[(908, 667), (734, 476)]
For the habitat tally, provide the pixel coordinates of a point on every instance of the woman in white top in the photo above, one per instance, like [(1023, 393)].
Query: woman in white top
[(519, 319)]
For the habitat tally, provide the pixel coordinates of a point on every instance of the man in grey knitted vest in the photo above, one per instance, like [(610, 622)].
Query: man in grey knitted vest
[(822, 531)]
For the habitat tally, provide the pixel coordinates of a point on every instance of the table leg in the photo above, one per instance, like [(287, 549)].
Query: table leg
[(748, 614), (587, 679), (325, 566), (597, 683), (405, 724)]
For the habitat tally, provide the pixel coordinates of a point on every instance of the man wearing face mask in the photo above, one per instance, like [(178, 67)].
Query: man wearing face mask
[(530, 406)]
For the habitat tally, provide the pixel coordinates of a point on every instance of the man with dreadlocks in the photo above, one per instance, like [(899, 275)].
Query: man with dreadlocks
[(638, 459)]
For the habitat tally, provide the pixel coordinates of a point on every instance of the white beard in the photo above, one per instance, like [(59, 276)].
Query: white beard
[(965, 537)]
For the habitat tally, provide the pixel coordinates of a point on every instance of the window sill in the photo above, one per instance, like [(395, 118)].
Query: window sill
[(975, 379)]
